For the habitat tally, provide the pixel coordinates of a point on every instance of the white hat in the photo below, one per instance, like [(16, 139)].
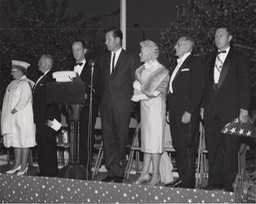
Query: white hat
[(20, 63)]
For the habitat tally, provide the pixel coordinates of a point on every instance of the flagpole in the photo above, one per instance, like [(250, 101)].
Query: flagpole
[(123, 20)]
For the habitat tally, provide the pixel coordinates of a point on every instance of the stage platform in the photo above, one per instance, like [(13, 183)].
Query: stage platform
[(31, 189)]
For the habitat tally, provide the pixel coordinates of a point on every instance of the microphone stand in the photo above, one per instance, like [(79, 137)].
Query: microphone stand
[(89, 146)]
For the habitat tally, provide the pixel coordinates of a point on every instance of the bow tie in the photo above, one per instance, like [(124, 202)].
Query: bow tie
[(219, 52), (80, 63)]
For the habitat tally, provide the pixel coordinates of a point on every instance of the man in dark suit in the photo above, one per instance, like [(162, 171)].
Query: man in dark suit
[(118, 69), (227, 96), (185, 96), (44, 114), (84, 71)]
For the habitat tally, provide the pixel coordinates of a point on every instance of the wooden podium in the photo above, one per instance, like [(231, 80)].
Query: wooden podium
[(72, 95)]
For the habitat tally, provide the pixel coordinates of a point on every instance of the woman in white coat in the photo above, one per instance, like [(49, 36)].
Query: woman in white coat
[(17, 123)]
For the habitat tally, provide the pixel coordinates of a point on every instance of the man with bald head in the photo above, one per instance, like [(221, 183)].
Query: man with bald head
[(185, 95), (43, 115)]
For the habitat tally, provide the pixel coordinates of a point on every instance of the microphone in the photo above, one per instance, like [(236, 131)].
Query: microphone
[(89, 139), (91, 63)]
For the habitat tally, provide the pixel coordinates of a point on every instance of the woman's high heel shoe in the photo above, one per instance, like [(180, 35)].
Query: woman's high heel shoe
[(142, 179), (21, 173), (12, 171), (155, 181)]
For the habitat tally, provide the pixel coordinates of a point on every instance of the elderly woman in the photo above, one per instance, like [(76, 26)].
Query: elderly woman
[(17, 123), (150, 88)]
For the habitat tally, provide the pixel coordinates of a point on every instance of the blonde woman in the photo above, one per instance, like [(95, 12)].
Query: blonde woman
[(150, 88)]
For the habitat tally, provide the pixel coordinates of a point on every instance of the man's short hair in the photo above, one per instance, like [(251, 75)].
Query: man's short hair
[(229, 30), (187, 38), (82, 42), (117, 33)]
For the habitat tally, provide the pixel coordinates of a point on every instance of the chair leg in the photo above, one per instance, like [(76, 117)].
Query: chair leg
[(199, 159), (137, 162), (129, 165), (198, 170), (8, 156), (30, 156), (98, 162), (101, 157), (202, 169), (205, 166), (135, 143)]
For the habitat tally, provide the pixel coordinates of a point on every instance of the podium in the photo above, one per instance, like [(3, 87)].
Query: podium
[(72, 95)]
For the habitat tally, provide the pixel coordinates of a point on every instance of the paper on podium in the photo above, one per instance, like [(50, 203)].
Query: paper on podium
[(56, 125)]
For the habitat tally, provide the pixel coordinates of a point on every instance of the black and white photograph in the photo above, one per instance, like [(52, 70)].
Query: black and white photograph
[(128, 101)]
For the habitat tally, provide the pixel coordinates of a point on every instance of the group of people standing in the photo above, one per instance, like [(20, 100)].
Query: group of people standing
[(218, 86), (26, 118)]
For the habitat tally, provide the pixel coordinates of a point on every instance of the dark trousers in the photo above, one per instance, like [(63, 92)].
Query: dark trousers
[(184, 142), (222, 154), (115, 129), (46, 150), (86, 142)]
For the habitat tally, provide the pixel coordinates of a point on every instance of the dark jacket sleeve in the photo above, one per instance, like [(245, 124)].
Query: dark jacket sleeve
[(244, 82)]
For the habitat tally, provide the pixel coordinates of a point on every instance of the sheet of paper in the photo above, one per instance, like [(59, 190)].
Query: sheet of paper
[(56, 125)]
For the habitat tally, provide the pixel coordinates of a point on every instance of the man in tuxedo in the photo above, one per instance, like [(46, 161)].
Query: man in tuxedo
[(44, 114), (84, 71), (227, 96), (185, 96), (118, 70)]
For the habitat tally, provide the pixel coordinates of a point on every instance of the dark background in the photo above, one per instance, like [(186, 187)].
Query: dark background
[(151, 15)]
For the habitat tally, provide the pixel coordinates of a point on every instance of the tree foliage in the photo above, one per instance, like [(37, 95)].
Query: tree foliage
[(199, 20), (36, 27)]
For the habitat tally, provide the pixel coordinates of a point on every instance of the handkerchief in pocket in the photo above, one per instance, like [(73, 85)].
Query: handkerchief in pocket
[(184, 70)]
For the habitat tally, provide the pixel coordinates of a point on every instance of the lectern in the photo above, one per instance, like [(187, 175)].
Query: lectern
[(72, 95)]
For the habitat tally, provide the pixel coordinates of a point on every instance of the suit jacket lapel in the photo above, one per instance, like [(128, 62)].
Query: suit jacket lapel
[(42, 80), (211, 71), (225, 69), (182, 66), (107, 65), (84, 70)]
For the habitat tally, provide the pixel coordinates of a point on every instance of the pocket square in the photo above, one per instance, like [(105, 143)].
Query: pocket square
[(184, 70)]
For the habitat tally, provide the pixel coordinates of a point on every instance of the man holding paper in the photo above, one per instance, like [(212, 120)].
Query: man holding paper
[(47, 120)]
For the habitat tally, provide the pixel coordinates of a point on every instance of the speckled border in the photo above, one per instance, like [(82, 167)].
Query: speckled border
[(29, 189)]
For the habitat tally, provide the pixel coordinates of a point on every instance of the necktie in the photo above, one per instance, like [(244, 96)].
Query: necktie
[(113, 63), (219, 63), (79, 64)]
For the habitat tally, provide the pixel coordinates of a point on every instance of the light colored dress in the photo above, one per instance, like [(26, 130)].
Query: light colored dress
[(18, 129), (154, 80)]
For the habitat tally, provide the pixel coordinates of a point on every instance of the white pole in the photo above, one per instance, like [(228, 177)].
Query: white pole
[(123, 20)]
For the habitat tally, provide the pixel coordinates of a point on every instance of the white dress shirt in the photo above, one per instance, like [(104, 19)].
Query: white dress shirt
[(79, 68), (180, 62), (222, 57)]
